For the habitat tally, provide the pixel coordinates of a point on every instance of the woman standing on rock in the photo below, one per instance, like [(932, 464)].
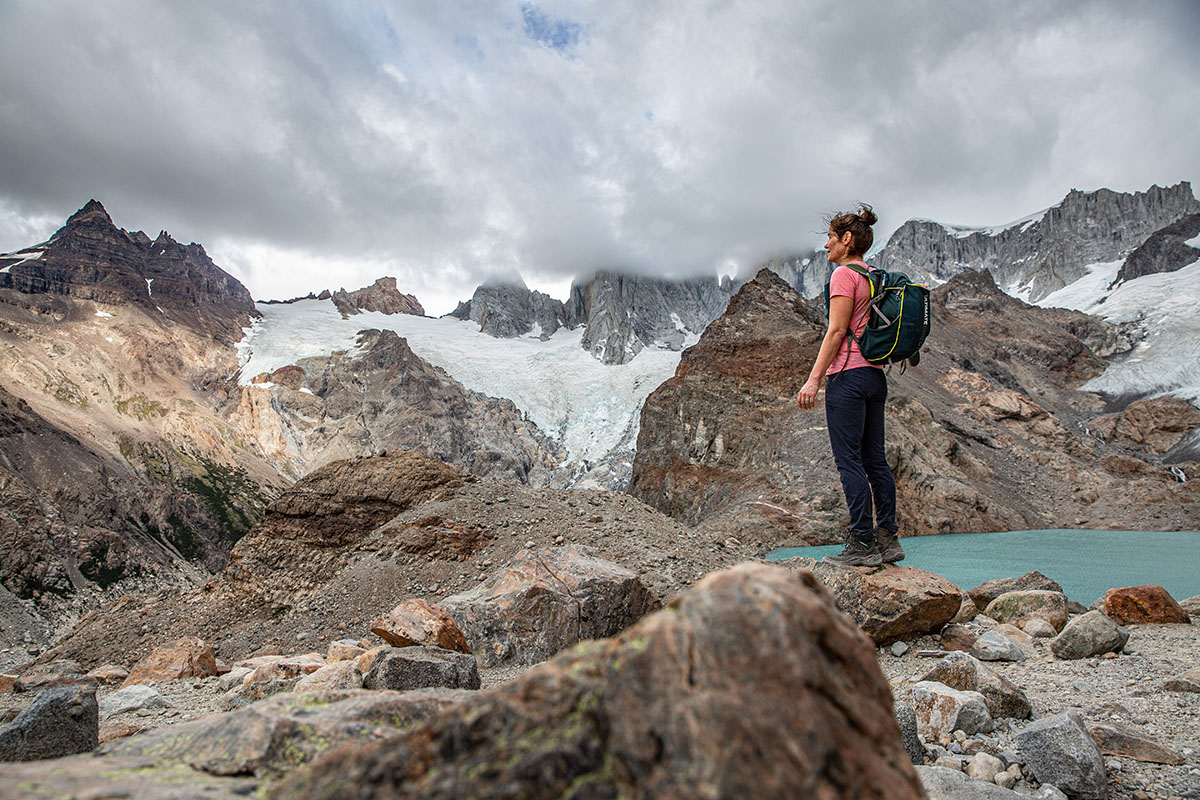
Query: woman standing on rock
[(854, 400)]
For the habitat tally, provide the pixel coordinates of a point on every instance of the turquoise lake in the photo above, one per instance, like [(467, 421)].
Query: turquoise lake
[(1085, 563)]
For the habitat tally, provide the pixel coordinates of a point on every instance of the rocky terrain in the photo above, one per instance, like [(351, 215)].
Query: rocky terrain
[(988, 433)]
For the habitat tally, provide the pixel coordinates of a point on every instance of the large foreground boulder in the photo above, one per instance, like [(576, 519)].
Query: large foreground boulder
[(891, 603), (1133, 605), (60, 721), (751, 685), (545, 601)]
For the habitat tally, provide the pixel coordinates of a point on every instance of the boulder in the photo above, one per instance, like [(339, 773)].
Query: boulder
[(966, 611), (958, 637), (751, 685), (941, 710), (545, 601), (343, 650), (1059, 750), (1134, 605), (273, 736), (131, 698), (1039, 628), (111, 731), (888, 604), (1191, 605), (910, 736), (983, 594), (1187, 682), (1087, 635), (966, 673), (62, 672), (285, 668), (251, 692), (185, 658), (61, 721), (366, 658), (1025, 604), (338, 675), (945, 783), (109, 675), (418, 622), (233, 678), (995, 646), (1018, 636), (1118, 740), (421, 667), (984, 767)]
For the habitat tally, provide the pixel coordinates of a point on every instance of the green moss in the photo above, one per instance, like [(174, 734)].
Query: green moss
[(143, 408)]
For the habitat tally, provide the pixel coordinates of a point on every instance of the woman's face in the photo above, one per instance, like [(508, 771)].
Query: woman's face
[(838, 247)]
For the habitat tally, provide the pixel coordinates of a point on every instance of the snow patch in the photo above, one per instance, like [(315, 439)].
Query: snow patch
[(589, 407), (1088, 292), (150, 293), (678, 323), (1194, 242), (103, 314), (29, 255)]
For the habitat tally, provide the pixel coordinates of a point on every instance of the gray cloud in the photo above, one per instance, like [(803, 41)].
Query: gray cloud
[(310, 144)]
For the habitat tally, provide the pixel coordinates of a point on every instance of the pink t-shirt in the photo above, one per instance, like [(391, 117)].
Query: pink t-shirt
[(848, 283)]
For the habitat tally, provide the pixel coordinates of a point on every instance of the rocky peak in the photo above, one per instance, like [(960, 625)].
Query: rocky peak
[(90, 258), (382, 296), (1042, 253), (511, 309), (1166, 250)]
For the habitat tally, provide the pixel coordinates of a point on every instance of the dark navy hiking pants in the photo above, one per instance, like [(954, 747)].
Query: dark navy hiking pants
[(854, 401)]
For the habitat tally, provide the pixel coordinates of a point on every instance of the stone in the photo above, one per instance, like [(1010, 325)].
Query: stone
[(273, 736), (910, 737), (1019, 606), (966, 673), (233, 678), (943, 783), (252, 692), (899, 649), (967, 611), (1059, 750), (109, 674), (888, 604), (7, 682), (338, 675), (286, 668), (1048, 791), (419, 622), (958, 637), (1017, 636), (1088, 635), (343, 650), (995, 646), (943, 710), (139, 778), (1039, 628), (1134, 605), (367, 657), (61, 721), (131, 698), (1191, 605), (1005, 780), (1118, 740), (188, 657), (983, 594), (111, 731), (984, 767), (61, 672), (422, 667), (685, 703), (541, 603), (1187, 682)]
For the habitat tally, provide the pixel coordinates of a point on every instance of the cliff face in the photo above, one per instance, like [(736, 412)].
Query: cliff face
[(987, 434), (1039, 255), (89, 258), (507, 310), (381, 397), (1166, 250)]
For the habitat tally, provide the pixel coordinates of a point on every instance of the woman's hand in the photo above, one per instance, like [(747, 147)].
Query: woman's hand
[(807, 397)]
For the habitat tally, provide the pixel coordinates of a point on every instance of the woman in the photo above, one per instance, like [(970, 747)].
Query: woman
[(854, 400)]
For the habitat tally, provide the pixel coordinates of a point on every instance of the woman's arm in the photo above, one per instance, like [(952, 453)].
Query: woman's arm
[(840, 308)]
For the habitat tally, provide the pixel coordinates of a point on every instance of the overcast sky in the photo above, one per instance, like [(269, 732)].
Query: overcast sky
[(312, 145)]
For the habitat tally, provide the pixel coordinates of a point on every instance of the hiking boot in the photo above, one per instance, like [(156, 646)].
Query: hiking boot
[(856, 554), (889, 546)]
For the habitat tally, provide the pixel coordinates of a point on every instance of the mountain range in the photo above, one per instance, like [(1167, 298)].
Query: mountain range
[(150, 409)]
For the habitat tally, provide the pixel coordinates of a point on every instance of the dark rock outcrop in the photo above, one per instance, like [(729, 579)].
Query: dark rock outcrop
[(59, 722), (1166, 250), (751, 685), (381, 296), (508, 310), (91, 259)]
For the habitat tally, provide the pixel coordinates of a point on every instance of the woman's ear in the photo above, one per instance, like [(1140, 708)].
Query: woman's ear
[(847, 238)]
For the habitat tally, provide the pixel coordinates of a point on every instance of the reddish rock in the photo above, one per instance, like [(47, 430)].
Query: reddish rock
[(186, 658), (958, 637), (343, 650), (419, 622), (891, 603), (7, 682), (339, 675), (61, 672), (111, 731), (752, 685), (109, 675), (1132, 605), (285, 668)]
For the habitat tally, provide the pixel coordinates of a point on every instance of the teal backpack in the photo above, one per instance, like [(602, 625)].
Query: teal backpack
[(897, 318)]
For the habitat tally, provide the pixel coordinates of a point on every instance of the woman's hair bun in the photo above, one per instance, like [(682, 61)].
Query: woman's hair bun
[(866, 214)]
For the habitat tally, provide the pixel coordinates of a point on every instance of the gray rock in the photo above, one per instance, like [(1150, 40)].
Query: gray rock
[(941, 783), (244, 695), (131, 698), (405, 668), (995, 646), (1048, 791), (899, 649), (1088, 635), (60, 721), (907, 717), (941, 710), (963, 671), (1187, 682), (1039, 629), (984, 767), (1059, 750)]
